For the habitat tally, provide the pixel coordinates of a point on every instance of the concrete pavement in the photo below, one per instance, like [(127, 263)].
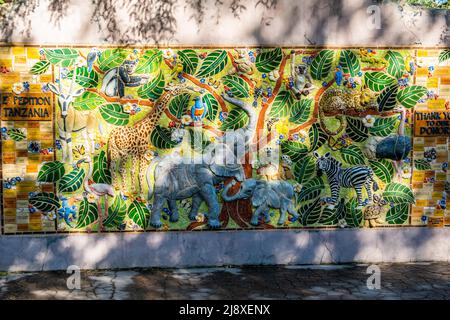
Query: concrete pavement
[(398, 281)]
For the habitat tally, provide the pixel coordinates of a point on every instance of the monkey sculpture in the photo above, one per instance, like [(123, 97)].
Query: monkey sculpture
[(117, 79), (242, 64), (303, 83)]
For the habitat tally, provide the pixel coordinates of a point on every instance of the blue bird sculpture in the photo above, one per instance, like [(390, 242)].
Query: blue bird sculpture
[(67, 212), (198, 110), (339, 75), (91, 57)]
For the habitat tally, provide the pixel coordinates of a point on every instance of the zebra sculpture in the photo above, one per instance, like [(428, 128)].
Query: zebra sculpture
[(355, 177)]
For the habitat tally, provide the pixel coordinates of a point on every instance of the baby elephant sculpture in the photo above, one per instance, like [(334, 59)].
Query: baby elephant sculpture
[(265, 194)]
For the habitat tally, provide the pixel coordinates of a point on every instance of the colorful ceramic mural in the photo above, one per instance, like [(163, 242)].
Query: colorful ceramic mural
[(189, 139)]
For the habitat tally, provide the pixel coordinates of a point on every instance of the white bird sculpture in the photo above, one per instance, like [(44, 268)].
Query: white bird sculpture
[(98, 190), (91, 57)]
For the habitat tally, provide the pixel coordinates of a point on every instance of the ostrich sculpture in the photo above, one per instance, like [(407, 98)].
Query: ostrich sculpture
[(395, 147), (98, 190)]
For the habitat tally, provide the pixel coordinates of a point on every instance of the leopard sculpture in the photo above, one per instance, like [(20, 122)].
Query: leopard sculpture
[(345, 102)]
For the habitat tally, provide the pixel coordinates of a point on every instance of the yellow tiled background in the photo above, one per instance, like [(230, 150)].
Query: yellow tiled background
[(429, 193), (16, 160)]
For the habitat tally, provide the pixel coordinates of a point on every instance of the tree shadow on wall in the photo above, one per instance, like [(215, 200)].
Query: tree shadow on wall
[(156, 22), (151, 21), (148, 21)]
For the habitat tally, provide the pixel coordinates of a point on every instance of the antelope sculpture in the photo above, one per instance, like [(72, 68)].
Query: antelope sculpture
[(72, 121)]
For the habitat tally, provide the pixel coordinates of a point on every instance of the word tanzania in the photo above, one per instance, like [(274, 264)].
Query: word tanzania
[(229, 310), (30, 107), (26, 112)]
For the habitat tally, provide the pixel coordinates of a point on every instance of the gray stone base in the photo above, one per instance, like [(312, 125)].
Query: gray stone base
[(219, 248)]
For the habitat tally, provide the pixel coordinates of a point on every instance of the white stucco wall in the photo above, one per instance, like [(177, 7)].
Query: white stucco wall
[(212, 22)]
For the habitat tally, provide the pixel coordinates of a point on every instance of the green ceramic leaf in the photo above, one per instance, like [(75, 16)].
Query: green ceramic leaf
[(301, 111), (88, 101), (101, 173), (269, 60), (356, 129), (87, 214), (189, 59), (353, 155), (40, 67), (444, 55), (149, 62), (310, 213), (398, 214), (295, 150), (281, 106), (116, 213), (304, 169), (398, 193), (422, 164), (238, 86), (161, 138), (16, 134), (384, 126), (383, 169), (316, 137), (311, 189), (138, 212), (64, 57), (51, 171), (113, 113), (213, 64), (409, 96), (45, 201), (112, 58), (212, 106), (179, 105), (85, 78), (387, 100), (396, 64), (377, 81), (321, 64), (331, 217), (353, 216), (349, 62), (152, 89), (72, 181), (237, 118)]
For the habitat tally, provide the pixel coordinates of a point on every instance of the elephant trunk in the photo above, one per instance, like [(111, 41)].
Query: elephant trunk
[(150, 172), (250, 129), (228, 198)]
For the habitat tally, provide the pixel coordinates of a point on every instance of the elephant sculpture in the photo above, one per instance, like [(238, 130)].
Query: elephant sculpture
[(176, 180), (177, 177), (265, 194)]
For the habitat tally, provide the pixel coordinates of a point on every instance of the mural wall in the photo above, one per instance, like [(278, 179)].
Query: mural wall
[(129, 139)]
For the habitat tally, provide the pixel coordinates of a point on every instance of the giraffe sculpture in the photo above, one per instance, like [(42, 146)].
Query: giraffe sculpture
[(132, 142)]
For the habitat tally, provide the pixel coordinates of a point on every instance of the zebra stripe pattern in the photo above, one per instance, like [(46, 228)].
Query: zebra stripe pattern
[(355, 177)]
